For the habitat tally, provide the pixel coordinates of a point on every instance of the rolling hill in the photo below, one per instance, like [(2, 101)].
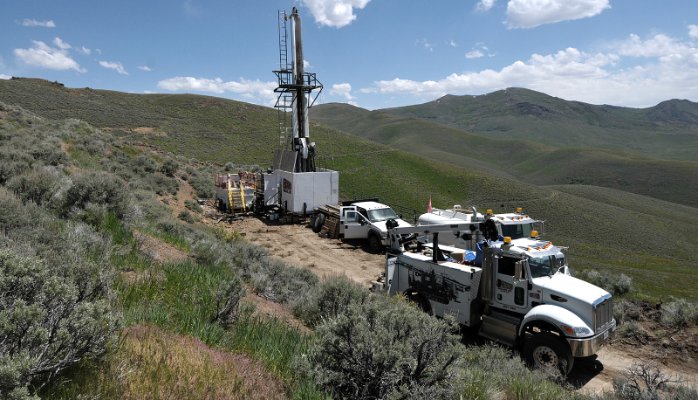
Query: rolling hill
[(648, 239), (667, 130), (437, 130)]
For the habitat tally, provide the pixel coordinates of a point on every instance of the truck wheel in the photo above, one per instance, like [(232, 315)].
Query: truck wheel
[(375, 245), (545, 350), (318, 222)]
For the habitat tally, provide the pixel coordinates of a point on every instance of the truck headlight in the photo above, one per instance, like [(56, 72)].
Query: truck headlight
[(576, 330)]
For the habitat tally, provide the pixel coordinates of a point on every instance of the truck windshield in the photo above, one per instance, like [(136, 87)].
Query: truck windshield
[(381, 214), (517, 231), (542, 266)]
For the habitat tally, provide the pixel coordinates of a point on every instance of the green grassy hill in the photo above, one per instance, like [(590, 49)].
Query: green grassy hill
[(190, 125), (667, 130), (674, 181), (650, 240), (437, 130)]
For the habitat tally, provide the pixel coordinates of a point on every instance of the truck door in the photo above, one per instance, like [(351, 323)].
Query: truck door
[(352, 224), (509, 292)]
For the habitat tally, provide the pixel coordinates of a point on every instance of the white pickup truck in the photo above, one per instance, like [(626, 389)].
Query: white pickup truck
[(357, 220)]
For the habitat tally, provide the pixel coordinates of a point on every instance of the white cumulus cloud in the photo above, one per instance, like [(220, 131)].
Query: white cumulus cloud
[(693, 31), (476, 53), (115, 65), (255, 91), (659, 45), (342, 90), (42, 55), (61, 44), (485, 5), (532, 13), (83, 50), (336, 13), (3, 76), (145, 68), (662, 67), (32, 23)]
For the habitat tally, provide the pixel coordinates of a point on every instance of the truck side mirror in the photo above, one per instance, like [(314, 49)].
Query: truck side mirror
[(518, 270)]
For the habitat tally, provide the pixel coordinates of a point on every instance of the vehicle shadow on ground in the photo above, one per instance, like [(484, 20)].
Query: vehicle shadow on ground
[(584, 370)]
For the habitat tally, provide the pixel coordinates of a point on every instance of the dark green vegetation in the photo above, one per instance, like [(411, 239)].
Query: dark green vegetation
[(621, 229)]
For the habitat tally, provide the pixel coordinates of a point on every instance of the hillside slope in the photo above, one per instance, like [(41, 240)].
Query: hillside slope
[(641, 241), (189, 125), (431, 130)]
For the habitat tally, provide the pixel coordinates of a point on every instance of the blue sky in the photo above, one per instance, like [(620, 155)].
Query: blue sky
[(371, 53)]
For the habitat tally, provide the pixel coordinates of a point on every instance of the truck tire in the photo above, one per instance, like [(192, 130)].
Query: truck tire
[(318, 222), (375, 245), (545, 350)]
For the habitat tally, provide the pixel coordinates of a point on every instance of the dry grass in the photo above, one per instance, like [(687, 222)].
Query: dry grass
[(155, 364)]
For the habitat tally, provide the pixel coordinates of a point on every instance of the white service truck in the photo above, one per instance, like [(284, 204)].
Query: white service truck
[(515, 225), (363, 219), (516, 291)]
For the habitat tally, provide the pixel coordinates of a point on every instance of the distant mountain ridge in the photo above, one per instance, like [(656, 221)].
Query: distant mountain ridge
[(529, 103), (543, 139)]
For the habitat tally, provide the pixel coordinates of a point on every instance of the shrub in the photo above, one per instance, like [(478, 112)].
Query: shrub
[(169, 167), (680, 313), (145, 164), (383, 348), (614, 284), (13, 162), (187, 217), (228, 301), (633, 331), (279, 282), (161, 184), (193, 206), (49, 152), (641, 381), (48, 323), (203, 186), (624, 311), (328, 300), (96, 188), (14, 216), (38, 185)]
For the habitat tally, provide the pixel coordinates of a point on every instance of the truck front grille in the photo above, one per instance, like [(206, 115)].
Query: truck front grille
[(603, 314)]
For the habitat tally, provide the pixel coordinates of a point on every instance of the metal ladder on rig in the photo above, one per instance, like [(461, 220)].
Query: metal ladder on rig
[(284, 103)]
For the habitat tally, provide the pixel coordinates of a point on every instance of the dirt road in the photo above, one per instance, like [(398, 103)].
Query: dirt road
[(300, 246)]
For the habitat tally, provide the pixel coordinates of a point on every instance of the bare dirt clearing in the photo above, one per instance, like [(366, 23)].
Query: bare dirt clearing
[(614, 360), (300, 246)]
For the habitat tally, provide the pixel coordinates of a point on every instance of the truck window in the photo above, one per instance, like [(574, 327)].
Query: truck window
[(351, 216), (542, 266), (506, 266), (381, 214), (517, 231)]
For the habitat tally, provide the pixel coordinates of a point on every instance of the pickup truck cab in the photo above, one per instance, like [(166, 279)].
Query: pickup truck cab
[(366, 220)]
